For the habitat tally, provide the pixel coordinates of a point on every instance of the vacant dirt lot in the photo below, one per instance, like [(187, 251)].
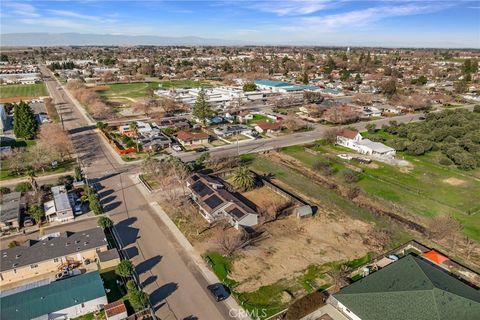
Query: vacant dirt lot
[(295, 244), (263, 197), (454, 181)]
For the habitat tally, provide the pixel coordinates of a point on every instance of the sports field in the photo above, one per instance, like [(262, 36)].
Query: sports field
[(140, 89), (23, 90)]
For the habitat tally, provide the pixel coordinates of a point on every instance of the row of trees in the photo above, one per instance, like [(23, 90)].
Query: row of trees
[(453, 132), (89, 98), (52, 144), (63, 65)]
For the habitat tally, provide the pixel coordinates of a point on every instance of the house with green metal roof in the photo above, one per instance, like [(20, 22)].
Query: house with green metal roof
[(410, 288), (63, 299)]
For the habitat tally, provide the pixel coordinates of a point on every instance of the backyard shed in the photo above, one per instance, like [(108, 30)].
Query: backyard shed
[(304, 211)]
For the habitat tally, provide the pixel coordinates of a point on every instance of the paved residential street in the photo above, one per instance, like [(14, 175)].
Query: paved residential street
[(177, 289)]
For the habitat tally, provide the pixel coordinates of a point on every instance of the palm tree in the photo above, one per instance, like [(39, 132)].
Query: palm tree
[(134, 129), (243, 178), (33, 182)]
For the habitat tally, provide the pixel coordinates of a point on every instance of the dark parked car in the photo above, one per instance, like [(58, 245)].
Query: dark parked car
[(27, 222), (201, 149), (219, 291)]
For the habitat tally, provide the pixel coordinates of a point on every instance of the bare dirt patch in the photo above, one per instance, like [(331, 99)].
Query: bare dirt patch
[(263, 197), (295, 244), (16, 99), (98, 88), (406, 169), (454, 181)]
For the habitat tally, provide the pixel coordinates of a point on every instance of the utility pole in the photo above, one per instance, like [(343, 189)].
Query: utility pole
[(238, 147), (61, 119)]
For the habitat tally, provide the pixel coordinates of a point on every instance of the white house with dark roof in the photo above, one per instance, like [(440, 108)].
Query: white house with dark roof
[(215, 202), (353, 140)]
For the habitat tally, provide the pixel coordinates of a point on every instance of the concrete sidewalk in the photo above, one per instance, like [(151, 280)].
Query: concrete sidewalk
[(231, 303)]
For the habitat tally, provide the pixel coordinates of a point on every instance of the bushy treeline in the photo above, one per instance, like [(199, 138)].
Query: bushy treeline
[(62, 66), (456, 133)]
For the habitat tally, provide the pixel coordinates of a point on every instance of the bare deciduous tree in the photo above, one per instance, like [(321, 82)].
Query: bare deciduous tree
[(331, 135), (444, 227), (54, 139), (228, 243)]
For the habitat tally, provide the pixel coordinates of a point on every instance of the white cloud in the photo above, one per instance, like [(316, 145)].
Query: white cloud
[(56, 23), (292, 7), (363, 17), (22, 9), (66, 13)]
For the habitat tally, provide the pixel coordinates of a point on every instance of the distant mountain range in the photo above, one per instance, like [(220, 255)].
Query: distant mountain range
[(80, 39), (84, 39)]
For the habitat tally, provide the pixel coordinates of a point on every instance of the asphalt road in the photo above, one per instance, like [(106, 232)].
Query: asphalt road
[(265, 144), (176, 287)]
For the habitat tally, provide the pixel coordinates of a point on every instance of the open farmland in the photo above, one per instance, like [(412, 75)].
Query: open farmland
[(424, 188), (23, 90)]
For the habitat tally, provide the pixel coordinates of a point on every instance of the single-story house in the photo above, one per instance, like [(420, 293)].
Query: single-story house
[(155, 142), (269, 127), (191, 138), (353, 140), (410, 288), (143, 127), (108, 259), (59, 209), (66, 299), (370, 112), (216, 202), (10, 210), (366, 146), (245, 116), (230, 130)]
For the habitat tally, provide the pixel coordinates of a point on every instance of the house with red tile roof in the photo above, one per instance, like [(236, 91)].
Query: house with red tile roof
[(268, 127), (192, 138), (116, 310)]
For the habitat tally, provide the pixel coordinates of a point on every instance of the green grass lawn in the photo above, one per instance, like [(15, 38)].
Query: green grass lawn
[(139, 89), (425, 190), (259, 117), (6, 174), (23, 90), (19, 143), (110, 282)]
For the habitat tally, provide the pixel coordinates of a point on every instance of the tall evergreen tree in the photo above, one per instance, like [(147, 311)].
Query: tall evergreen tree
[(201, 108), (25, 125)]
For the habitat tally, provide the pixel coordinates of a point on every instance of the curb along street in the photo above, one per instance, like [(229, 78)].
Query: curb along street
[(189, 249)]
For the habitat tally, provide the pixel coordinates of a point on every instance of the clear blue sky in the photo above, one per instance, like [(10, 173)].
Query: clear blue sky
[(437, 23)]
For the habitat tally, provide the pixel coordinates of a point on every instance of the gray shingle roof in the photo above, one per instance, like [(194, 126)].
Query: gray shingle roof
[(411, 288), (10, 206), (108, 255), (65, 244)]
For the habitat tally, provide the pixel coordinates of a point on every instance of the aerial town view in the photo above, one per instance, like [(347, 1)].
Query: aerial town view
[(210, 160)]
